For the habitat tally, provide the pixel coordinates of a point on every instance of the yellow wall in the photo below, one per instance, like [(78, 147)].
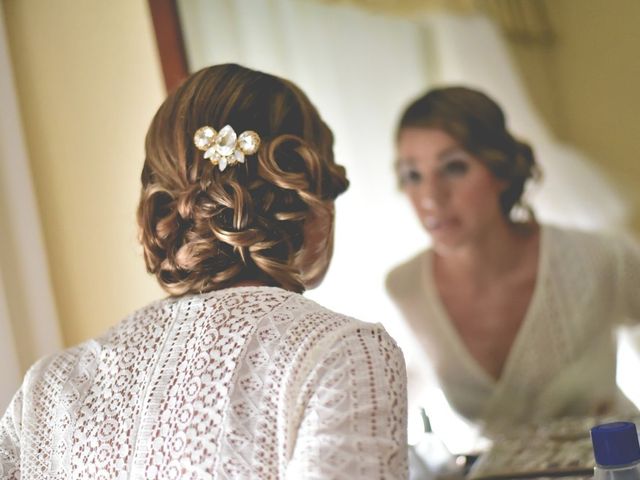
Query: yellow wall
[(88, 81), (587, 85)]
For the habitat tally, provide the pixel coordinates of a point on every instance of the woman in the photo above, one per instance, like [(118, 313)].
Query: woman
[(517, 317), (235, 374)]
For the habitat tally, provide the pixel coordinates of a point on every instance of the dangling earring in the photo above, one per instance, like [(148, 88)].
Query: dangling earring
[(521, 213)]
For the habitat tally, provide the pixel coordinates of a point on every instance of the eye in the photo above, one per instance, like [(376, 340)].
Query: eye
[(455, 168), (409, 176)]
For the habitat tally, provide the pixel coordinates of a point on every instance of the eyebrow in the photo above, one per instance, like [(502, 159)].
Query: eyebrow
[(442, 156), (448, 151)]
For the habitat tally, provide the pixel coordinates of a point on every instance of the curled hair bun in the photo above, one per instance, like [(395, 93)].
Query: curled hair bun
[(293, 164), (525, 151), (525, 162), (202, 229), (518, 169)]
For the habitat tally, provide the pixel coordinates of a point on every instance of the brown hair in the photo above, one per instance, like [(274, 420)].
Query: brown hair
[(478, 124), (202, 229)]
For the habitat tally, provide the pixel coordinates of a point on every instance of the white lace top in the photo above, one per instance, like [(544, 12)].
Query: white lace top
[(242, 383), (563, 359)]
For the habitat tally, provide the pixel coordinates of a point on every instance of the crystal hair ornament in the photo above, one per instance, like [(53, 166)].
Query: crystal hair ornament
[(225, 147)]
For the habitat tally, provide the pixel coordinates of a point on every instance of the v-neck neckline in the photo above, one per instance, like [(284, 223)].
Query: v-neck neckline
[(442, 315)]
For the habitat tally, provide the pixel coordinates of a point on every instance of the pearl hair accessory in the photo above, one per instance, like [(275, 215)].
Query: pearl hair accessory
[(225, 147)]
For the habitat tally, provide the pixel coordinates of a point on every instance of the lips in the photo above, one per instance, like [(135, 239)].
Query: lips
[(433, 223)]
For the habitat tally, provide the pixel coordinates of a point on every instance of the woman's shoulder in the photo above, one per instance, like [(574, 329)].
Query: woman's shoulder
[(581, 256), (82, 359), (322, 333), (570, 233), (275, 313), (47, 376), (593, 243), (315, 317), (405, 277)]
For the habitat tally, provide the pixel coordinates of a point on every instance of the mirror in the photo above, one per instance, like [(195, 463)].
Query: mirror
[(362, 66)]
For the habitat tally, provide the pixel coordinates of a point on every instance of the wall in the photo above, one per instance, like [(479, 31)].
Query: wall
[(586, 85), (88, 82)]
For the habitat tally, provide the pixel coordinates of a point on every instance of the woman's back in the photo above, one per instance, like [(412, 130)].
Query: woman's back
[(236, 375), (247, 382)]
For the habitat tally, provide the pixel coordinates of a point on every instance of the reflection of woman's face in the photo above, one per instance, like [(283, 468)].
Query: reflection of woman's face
[(455, 196)]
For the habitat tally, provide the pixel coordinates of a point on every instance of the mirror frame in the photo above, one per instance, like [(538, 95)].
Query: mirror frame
[(169, 41)]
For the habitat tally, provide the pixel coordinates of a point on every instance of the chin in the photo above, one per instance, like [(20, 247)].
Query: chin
[(448, 243)]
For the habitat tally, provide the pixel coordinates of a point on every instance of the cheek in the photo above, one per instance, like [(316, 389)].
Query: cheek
[(414, 197), (479, 196)]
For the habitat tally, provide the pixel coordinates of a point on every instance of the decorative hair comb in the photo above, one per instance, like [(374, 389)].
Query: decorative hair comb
[(225, 147)]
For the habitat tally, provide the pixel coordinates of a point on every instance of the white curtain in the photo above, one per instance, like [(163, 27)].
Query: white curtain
[(28, 323), (361, 69)]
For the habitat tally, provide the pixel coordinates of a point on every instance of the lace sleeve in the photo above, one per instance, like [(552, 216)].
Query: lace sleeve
[(629, 280), (354, 422), (10, 428)]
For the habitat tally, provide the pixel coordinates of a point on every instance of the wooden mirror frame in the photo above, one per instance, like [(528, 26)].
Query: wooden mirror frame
[(171, 50)]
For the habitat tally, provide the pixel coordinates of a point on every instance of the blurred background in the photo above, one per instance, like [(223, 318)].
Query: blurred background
[(81, 80)]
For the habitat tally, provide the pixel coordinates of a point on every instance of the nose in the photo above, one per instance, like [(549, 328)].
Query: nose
[(432, 194), (427, 203)]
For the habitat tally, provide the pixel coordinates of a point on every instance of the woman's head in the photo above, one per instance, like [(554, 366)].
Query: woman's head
[(461, 167), (266, 220)]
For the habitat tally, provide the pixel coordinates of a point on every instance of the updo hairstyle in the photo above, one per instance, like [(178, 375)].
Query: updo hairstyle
[(202, 229)]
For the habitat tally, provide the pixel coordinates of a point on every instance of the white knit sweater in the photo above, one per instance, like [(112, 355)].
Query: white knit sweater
[(242, 383), (563, 359)]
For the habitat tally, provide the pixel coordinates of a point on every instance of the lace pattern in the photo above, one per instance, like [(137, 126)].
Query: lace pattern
[(252, 382)]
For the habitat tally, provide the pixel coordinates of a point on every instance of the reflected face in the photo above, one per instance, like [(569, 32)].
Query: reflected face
[(453, 193)]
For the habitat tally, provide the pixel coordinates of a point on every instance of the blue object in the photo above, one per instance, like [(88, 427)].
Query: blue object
[(615, 444)]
